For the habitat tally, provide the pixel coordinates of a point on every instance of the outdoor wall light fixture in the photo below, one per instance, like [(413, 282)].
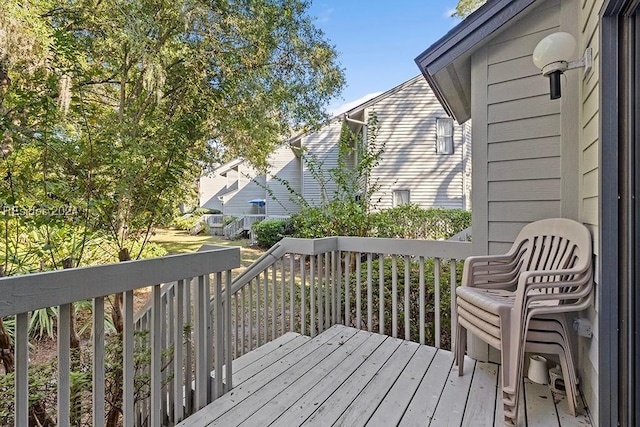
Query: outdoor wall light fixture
[(552, 55)]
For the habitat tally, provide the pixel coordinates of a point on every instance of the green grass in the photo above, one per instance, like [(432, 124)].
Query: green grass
[(181, 242)]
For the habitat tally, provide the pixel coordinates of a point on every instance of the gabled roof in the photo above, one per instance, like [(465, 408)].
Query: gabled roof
[(446, 64), (223, 169)]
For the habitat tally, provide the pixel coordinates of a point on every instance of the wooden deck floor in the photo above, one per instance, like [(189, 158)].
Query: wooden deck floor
[(346, 377)]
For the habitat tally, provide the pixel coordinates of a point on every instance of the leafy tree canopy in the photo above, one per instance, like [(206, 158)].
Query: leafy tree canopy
[(113, 107), (466, 7)]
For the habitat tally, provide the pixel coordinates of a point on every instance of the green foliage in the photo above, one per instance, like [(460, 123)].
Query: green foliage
[(414, 298), (413, 222), (186, 222), (271, 231), (109, 111), (464, 8)]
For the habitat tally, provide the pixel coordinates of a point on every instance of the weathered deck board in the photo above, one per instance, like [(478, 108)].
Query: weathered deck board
[(356, 378)]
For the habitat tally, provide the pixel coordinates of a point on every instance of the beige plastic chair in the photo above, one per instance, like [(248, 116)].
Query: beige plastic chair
[(547, 272)]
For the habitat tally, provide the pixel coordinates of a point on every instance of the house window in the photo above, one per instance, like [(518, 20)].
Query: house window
[(444, 136), (400, 197)]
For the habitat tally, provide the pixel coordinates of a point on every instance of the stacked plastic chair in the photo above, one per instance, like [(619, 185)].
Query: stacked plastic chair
[(516, 302)]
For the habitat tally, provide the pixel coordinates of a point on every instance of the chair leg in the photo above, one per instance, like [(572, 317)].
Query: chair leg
[(461, 347)]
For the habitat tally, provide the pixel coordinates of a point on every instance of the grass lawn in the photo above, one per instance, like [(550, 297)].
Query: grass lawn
[(180, 242)]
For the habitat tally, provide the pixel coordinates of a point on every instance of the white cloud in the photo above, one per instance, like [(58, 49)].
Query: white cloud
[(334, 111), (325, 16)]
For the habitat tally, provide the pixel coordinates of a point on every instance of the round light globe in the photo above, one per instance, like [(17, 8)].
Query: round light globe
[(555, 47)]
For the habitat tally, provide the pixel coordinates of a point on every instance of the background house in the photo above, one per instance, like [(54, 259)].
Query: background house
[(426, 159), (572, 157)]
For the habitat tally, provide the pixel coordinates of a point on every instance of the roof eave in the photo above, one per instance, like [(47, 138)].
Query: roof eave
[(447, 61)]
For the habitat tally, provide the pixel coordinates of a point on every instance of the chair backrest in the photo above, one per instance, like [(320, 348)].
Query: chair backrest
[(555, 244)]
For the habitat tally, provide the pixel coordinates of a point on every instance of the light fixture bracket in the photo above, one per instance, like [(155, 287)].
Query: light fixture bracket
[(586, 61)]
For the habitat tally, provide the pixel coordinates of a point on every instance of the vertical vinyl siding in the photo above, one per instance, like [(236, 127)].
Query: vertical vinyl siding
[(407, 127), (588, 207), (523, 131)]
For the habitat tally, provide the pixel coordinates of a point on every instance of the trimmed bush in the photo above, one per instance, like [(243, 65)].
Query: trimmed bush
[(271, 231), (413, 222)]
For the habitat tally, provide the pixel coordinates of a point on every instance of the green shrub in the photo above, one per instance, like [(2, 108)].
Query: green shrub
[(413, 222), (271, 231)]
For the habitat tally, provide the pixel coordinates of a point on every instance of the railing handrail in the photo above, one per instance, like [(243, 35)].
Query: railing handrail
[(302, 246), (21, 294)]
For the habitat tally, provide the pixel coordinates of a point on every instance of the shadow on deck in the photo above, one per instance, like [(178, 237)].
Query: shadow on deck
[(346, 377)]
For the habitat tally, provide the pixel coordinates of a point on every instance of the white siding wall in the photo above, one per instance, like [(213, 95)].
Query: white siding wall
[(236, 203), (407, 127), (589, 190), (286, 166), (211, 187), (324, 145)]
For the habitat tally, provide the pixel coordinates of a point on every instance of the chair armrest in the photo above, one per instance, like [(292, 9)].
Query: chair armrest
[(491, 271)]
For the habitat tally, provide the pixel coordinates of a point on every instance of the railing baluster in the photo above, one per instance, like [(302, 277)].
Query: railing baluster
[(266, 306), (178, 376), (250, 315), (243, 343), (327, 285), (283, 301), (228, 359), (422, 301), (170, 336), (201, 326), (188, 368), (219, 337), (64, 365), (21, 338), (128, 368), (163, 347), (394, 296), (274, 302), (98, 363), (258, 312), (156, 352), (454, 313), (436, 300), (347, 286), (235, 322), (292, 291), (381, 293), (303, 294), (407, 307), (339, 285), (334, 302), (208, 338), (369, 292), (320, 295), (358, 291), (312, 296)]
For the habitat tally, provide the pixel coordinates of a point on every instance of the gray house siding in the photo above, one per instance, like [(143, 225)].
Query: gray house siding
[(516, 134), (407, 127), (284, 164)]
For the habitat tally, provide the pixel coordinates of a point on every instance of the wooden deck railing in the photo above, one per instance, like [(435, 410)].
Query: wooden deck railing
[(390, 286), (185, 339)]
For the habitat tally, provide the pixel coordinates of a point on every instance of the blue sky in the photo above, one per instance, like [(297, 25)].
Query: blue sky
[(378, 39)]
